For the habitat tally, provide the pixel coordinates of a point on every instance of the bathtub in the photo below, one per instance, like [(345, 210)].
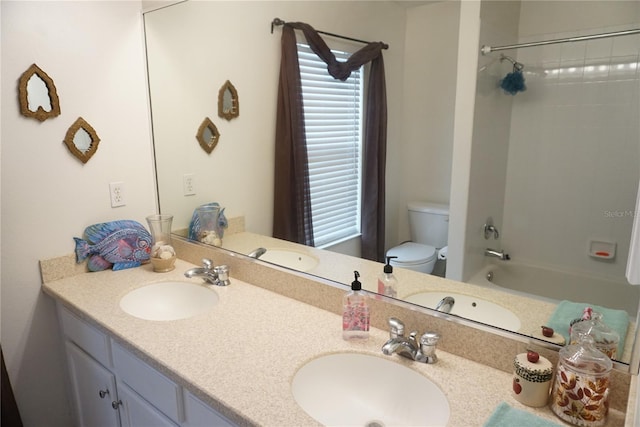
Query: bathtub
[(556, 285)]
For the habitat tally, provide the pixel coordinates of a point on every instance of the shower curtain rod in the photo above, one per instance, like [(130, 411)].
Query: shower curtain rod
[(488, 49), (279, 22)]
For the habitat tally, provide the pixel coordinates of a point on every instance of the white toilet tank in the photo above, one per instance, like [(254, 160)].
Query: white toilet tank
[(429, 223)]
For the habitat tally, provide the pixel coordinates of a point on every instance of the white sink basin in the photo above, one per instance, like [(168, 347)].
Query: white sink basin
[(472, 308), (290, 259), (349, 389), (169, 301)]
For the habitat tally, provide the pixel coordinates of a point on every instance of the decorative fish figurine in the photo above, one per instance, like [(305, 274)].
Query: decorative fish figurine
[(194, 225), (118, 244)]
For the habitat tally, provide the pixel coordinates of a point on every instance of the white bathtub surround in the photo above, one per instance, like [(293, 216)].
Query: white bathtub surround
[(633, 264)]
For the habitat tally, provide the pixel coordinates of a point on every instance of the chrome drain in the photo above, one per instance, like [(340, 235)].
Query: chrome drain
[(374, 424), (490, 276)]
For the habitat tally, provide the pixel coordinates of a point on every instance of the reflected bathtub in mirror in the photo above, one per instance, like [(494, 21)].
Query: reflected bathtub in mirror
[(38, 95)]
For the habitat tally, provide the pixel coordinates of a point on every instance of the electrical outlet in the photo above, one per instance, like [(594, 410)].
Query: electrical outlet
[(116, 190), (189, 184)]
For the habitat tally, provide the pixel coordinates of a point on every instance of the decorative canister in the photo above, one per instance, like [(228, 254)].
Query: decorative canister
[(606, 339), (581, 389), (532, 379)]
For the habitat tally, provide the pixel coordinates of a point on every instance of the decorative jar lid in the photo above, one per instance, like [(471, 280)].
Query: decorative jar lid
[(538, 372)]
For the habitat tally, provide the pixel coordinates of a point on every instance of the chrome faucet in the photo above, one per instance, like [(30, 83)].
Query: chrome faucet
[(257, 253), (496, 254), (446, 304), (408, 347), (214, 275)]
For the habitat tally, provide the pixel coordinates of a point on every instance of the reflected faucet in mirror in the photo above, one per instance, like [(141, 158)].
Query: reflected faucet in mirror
[(497, 254), (446, 304), (257, 253)]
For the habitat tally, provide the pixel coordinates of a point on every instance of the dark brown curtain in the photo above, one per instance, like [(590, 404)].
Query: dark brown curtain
[(291, 144), (292, 202)]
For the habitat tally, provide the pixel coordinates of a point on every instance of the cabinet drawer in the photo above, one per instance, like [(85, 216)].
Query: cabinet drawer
[(85, 336), (153, 386)]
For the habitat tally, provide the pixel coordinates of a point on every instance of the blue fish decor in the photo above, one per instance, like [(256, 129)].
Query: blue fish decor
[(194, 225), (118, 244)]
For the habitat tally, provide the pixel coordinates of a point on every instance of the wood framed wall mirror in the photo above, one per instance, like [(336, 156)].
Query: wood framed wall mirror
[(81, 139), (228, 103), (38, 95), (208, 135)]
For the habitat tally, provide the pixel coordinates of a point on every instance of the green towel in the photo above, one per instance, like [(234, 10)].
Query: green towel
[(566, 311), (506, 416)]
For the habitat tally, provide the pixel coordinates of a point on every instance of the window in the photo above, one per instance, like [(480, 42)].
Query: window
[(333, 125)]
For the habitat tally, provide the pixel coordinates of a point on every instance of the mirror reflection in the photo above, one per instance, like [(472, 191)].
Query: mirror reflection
[(81, 140), (228, 103), (545, 176), (208, 135), (37, 94)]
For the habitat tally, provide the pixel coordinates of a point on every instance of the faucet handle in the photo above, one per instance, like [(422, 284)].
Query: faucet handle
[(429, 339), (396, 327), (207, 263), (428, 342)]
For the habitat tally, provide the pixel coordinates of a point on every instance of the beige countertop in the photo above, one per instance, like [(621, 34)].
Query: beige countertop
[(241, 356)]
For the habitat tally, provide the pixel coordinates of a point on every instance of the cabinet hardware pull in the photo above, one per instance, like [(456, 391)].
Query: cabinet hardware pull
[(103, 393), (115, 404)]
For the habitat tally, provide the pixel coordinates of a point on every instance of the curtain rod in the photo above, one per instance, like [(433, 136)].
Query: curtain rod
[(279, 22), (488, 49)]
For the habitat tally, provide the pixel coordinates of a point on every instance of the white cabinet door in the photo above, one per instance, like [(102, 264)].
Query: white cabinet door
[(198, 414), (93, 388), (137, 412)]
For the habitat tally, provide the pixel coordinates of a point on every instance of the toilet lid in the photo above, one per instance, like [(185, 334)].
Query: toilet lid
[(412, 253)]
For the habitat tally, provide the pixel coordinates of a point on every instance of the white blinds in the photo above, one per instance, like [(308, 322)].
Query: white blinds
[(333, 117)]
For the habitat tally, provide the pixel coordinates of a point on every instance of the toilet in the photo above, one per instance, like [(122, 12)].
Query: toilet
[(429, 227)]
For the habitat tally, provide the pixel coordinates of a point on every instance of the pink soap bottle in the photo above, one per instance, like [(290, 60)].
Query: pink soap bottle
[(355, 312)]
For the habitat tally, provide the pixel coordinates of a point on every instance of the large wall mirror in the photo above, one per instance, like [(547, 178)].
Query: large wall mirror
[(556, 167)]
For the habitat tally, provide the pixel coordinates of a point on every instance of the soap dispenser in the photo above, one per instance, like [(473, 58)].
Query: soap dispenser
[(387, 282), (355, 312)]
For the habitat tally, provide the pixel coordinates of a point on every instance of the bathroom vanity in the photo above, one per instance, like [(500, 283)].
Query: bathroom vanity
[(234, 364)]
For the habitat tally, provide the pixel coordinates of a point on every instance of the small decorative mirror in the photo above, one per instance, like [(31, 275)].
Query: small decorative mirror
[(228, 104), (37, 94), (208, 135), (82, 140)]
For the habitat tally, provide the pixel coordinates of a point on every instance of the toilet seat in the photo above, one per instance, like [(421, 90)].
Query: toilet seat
[(411, 254)]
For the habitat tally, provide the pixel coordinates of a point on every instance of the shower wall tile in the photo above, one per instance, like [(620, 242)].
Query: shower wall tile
[(574, 152)]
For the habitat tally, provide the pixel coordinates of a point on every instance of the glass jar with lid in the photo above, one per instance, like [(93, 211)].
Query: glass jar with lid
[(581, 387), (606, 339)]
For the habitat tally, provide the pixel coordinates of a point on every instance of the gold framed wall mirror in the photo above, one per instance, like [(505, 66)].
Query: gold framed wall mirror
[(82, 140), (208, 135), (228, 103), (38, 95)]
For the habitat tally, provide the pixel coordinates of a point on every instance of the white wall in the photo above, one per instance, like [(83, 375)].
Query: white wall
[(426, 146), (492, 114), (94, 53), (574, 153)]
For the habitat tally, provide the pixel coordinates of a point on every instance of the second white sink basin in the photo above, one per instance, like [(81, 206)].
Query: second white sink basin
[(350, 389), (168, 301), (290, 259), (472, 308)]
